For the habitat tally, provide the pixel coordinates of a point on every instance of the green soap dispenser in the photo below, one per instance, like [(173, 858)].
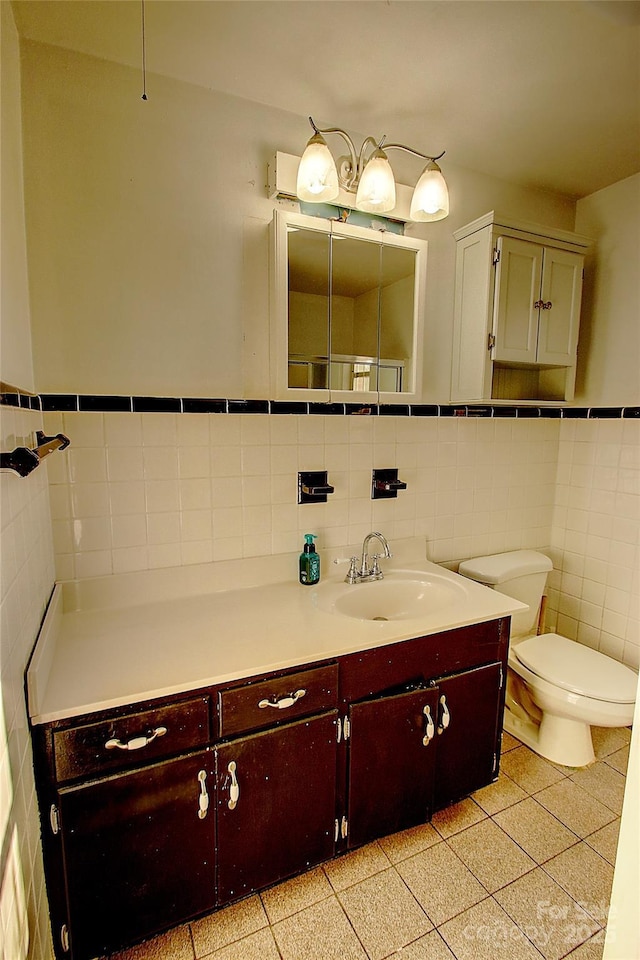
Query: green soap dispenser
[(309, 562)]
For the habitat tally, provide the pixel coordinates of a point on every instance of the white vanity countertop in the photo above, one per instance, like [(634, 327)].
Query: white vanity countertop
[(124, 639)]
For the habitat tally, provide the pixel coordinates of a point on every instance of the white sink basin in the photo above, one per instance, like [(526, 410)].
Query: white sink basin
[(401, 595)]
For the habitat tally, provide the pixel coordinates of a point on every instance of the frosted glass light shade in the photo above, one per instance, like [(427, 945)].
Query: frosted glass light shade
[(430, 199), (317, 175), (377, 188)]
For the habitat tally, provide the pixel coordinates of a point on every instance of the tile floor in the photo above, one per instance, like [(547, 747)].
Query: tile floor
[(521, 870)]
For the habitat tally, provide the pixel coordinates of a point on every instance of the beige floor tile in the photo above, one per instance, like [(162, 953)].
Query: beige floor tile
[(384, 914), (491, 855), (228, 925), (257, 946), (429, 947), (591, 950), (607, 740), (486, 932), (499, 795), (605, 841), (586, 877), (619, 760), (173, 945), (535, 830), (441, 883), (401, 846), (549, 917), (529, 771), (321, 932), (604, 783), (457, 817), (572, 805), (509, 742), (295, 894), (355, 866)]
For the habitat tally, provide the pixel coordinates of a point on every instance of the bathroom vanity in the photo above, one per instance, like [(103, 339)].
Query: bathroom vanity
[(193, 749)]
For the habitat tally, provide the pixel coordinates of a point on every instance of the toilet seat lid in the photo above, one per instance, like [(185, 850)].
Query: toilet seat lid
[(576, 667)]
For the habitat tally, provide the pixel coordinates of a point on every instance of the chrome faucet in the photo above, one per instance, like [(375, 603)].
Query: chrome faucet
[(369, 568)]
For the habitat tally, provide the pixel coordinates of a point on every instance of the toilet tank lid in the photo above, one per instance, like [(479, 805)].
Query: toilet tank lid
[(504, 566), (577, 668)]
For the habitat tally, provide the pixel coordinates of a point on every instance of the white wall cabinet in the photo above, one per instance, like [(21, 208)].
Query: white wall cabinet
[(517, 312)]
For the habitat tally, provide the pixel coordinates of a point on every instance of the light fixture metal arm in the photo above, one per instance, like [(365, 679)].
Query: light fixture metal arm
[(354, 160), (416, 153)]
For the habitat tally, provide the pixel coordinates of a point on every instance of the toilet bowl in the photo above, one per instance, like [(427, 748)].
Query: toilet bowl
[(556, 688)]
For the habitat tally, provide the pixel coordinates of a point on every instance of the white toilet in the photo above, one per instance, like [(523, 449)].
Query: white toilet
[(556, 688)]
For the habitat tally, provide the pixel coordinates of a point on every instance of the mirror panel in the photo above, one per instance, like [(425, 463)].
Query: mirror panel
[(346, 311), (397, 310), (355, 313), (308, 308)]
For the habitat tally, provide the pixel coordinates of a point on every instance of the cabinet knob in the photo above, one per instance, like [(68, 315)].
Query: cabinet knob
[(137, 742), (429, 726), (203, 799), (445, 716), (284, 702), (234, 789)]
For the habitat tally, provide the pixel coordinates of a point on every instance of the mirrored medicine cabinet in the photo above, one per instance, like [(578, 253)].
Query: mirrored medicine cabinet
[(347, 307)]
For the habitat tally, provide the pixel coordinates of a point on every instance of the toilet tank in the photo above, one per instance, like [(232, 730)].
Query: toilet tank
[(521, 574)]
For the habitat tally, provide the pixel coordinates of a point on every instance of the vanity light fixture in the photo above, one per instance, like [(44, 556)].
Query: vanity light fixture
[(368, 174)]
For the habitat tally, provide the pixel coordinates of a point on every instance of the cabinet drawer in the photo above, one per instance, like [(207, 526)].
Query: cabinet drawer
[(257, 705), (131, 740)]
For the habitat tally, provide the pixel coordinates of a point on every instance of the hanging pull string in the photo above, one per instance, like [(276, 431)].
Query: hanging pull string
[(144, 57)]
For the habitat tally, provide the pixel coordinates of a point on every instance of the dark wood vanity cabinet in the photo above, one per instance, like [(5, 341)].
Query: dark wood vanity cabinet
[(155, 814), (279, 820), (139, 852)]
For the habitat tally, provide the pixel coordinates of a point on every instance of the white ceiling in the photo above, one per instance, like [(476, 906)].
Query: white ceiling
[(544, 93)]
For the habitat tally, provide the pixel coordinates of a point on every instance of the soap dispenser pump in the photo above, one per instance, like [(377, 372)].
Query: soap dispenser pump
[(309, 562)]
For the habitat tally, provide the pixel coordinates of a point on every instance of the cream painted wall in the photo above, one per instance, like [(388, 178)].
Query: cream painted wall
[(16, 367), (26, 554), (147, 231), (609, 349)]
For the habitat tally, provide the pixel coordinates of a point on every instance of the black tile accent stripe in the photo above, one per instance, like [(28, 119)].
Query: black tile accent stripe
[(327, 409), (203, 405), (93, 403), (157, 404), (69, 402), (424, 410), (288, 406), (59, 401), (248, 406)]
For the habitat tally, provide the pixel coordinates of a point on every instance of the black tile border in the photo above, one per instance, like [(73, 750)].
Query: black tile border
[(95, 403)]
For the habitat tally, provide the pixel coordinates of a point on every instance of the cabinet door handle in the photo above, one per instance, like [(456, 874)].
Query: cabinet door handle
[(138, 742), (234, 789), (547, 305), (445, 716), (429, 727), (538, 305), (284, 702), (203, 799)]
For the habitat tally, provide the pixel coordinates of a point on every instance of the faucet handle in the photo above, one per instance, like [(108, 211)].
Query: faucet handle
[(352, 575)]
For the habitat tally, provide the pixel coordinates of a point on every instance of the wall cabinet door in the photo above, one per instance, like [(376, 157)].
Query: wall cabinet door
[(139, 852), (391, 764), (518, 280), (276, 804), (537, 303), (559, 322), (469, 724)]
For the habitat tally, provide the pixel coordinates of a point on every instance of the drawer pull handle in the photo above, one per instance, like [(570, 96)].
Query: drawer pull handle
[(429, 727), (445, 716), (137, 743), (234, 789), (284, 702), (203, 800)]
